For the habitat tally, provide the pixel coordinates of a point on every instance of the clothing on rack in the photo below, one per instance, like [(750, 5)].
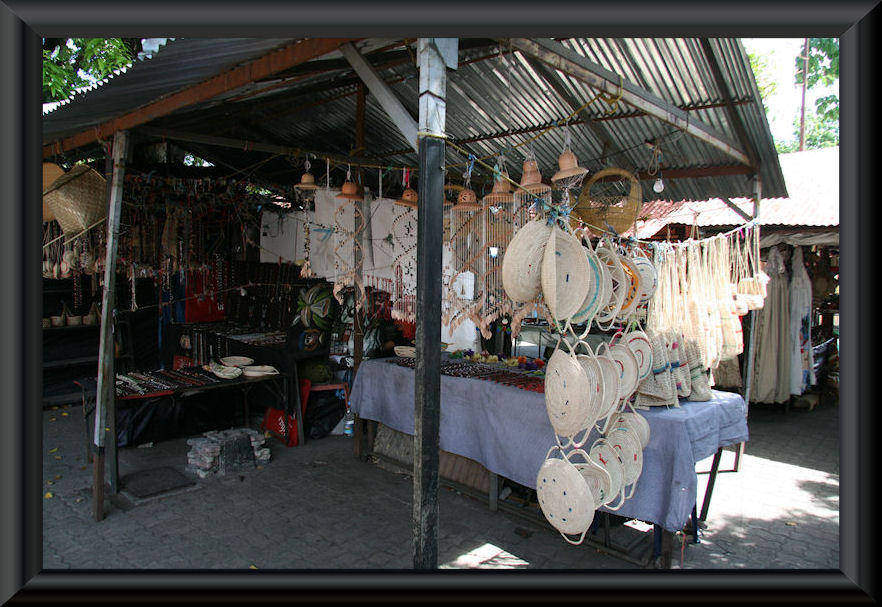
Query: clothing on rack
[(771, 371), (801, 367)]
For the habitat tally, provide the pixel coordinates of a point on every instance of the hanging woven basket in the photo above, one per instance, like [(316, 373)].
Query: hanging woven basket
[(77, 198), (610, 208)]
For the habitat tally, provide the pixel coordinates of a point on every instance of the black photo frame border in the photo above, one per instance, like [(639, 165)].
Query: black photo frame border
[(21, 24)]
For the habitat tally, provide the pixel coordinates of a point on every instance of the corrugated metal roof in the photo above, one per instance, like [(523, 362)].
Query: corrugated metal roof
[(488, 97), (812, 180)]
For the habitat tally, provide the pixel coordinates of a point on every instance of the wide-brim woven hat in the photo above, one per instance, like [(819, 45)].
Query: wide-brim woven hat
[(632, 288), (656, 388), (522, 261), (350, 191), (564, 496), (606, 456), (616, 293), (595, 296), (567, 398), (628, 369), (639, 344), (307, 182), (568, 167), (648, 278), (611, 379), (565, 275), (631, 450), (77, 199), (594, 375), (634, 422)]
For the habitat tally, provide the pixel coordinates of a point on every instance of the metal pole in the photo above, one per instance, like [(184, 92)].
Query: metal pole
[(430, 224), (106, 372)]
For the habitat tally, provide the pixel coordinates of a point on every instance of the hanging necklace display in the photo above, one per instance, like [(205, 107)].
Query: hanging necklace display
[(349, 241), (404, 266)]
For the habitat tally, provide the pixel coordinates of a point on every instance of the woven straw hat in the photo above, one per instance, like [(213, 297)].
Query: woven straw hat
[(634, 422), (568, 165), (595, 387), (600, 209), (648, 278), (565, 497), (77, 198), (595, 297), (565, 275), (628, 369), (409, 198), (307, 182), (616, 297), (639, 344), (632, 292), (501, 193), (604, 455), (51, 172), (350, 191), (656, 389), (522, 261), (611, 379), (567, 397), (597, 476), (631, 450)]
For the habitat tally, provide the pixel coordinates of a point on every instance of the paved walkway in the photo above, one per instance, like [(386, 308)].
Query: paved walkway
[(316, 507)]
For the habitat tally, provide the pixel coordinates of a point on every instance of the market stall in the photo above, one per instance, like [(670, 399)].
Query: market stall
[(465, 252)]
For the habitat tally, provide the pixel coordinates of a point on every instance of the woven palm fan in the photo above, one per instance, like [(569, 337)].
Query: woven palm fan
[(77, 199), (565, 274), (608, 203), (565, 497)]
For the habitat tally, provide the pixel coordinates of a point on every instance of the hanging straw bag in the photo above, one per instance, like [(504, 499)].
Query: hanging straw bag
[(77, 199)]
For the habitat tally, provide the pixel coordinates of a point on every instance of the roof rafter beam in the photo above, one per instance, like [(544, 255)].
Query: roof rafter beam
[(383, 93), (569, 62), (271, 63), (710, 55)]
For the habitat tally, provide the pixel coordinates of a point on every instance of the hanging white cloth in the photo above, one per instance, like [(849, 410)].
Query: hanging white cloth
[(382, 212), (277, 237), (771, 375), (801, 373), (321, 234)]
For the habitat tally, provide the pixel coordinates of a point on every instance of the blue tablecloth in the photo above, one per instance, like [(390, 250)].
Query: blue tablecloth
[(507, 430)]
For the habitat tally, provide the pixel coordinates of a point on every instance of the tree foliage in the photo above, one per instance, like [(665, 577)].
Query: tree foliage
[(765, 80), (823, 70), (72, 63)]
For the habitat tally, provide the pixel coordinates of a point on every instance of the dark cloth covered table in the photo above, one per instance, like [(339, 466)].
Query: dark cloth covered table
[(506, 429)]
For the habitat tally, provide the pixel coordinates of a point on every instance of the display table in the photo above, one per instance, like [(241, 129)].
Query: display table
[(506, 429)]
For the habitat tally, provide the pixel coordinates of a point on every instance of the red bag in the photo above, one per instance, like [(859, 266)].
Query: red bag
[(282, 425)]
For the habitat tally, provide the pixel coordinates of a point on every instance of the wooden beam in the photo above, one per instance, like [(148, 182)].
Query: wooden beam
[(271, 63), (569, 62), (383, 93), (723, 87), (430, 223), (106, 351)]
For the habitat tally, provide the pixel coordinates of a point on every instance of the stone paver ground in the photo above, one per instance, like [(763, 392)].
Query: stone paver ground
[(317, 507)]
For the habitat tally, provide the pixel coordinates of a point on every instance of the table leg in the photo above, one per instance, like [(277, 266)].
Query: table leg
[(298, 409), (738, 453), (662, 546), (712, 478), (695, 539), (358, 437), (494, 492)]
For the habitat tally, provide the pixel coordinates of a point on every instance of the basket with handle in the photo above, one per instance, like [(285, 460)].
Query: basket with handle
[(77, 199), (603, 204)]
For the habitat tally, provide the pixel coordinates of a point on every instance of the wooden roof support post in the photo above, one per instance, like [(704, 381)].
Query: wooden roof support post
[(570, 62), (383, 93), (104, 403), (433, 55)]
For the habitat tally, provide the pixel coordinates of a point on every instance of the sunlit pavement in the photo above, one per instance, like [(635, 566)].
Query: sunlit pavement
[(316, 507)]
